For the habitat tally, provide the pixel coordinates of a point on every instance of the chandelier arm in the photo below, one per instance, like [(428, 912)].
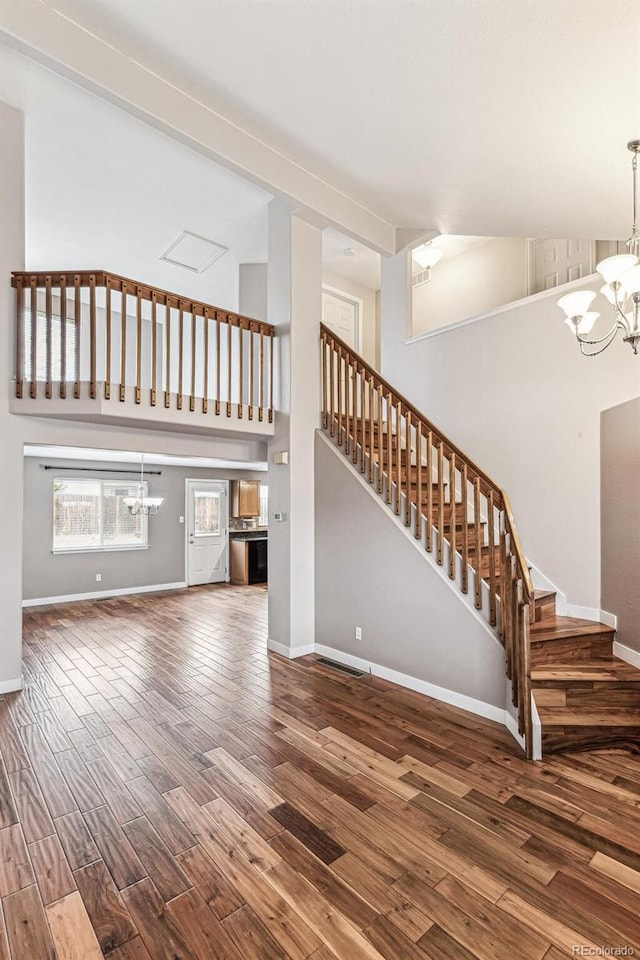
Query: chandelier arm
[(619, 308), (610, 335), (610, 338)]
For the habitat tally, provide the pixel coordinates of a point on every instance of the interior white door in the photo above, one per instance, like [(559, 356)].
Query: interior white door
[(560, 261), (341, 315), (207, 531)]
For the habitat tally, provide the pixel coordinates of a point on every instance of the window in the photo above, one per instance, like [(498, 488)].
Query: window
[(56, 347), (206, 513), (91, 515), (264, 506)]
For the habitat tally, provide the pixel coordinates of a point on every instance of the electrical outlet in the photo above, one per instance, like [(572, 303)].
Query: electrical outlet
[(358, 633), (98, 577)]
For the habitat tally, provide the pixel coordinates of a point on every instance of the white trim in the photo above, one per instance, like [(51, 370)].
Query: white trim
[(187, 504), (10, 686), (478, 707), (626, 653), (536, 728), (360, 312), (291, 653), (555, 291), (592, 613), (100, 594)]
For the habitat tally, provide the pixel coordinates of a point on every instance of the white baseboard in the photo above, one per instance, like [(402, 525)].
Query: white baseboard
[(10, 686), (479, 707), (102, 594), (592, 613), (626, 653), (291, 653)]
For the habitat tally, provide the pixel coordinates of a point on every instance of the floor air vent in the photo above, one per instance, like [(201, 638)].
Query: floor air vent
[(340, 667)]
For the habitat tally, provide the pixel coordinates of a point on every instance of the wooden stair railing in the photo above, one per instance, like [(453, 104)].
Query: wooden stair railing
[(92, 327), (441, 494)]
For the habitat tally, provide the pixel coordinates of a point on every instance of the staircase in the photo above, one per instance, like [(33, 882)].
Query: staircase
[(585, 697)]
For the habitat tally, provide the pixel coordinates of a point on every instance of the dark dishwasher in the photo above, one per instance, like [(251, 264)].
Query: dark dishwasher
[(257, 561)]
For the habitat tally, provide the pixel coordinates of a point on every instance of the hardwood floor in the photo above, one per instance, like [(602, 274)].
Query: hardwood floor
[(169, 791)]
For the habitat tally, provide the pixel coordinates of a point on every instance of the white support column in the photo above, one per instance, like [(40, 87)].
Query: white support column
[(395, 304), (294, 307), (12, 257)]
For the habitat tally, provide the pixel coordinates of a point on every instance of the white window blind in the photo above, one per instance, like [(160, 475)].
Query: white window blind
[(56, 347), (92, 515)]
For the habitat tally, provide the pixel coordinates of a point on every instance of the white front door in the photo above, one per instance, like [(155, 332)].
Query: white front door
[(560, 261), (340, 314), (207, 531)]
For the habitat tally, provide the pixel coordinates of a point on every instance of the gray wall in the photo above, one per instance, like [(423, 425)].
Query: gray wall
[(370, 574), (620, 518), (54, 575)]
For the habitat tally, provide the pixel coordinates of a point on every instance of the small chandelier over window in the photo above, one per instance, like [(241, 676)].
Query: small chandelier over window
[(141, 504), (621, 275)]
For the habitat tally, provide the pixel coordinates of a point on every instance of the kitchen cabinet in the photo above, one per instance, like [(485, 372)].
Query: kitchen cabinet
[(245, 498), (248, 560)]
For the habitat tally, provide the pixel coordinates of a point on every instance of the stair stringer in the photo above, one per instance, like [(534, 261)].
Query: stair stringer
[(468, 632)]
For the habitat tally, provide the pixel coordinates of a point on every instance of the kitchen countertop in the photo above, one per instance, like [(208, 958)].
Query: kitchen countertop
[(248, 534)]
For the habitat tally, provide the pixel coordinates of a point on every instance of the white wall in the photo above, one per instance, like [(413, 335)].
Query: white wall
[(485, 276), (370, 346), (513, 391)]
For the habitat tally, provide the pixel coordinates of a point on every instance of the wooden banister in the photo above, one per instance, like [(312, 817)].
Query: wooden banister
[(429, 482), (55, 352)]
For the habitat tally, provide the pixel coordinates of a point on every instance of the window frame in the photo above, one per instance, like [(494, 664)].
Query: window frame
[(100, 548)]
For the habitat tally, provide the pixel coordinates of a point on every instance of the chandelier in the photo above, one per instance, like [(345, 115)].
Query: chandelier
[(141, 504), (426, 256), (621, 275)]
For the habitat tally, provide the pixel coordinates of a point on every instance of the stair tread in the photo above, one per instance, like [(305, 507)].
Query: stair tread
[(602, 717), (561, 628), (543, 594), (611, 670)]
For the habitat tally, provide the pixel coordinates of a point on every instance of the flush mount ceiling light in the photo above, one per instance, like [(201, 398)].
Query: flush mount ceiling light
[(142, 504), (621, 275), (426, 257), (193, 252)]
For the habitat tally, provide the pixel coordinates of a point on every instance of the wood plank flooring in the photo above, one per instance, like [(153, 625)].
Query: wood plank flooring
[(168, 791)]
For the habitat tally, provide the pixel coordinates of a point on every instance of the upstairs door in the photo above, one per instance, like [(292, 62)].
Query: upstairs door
[(207, 531), (342, 315), (554, 262)]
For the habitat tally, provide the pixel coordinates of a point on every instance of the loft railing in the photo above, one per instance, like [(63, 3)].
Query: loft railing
[(439, 492), (82, 332)]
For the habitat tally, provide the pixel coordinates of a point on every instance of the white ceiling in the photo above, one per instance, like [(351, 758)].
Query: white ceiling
[(127, 456), (494, 118), (361, 265), (104, 190)]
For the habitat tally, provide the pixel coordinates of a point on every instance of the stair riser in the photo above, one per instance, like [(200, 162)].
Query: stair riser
[(545, 609), (567, 738), (591, 647), (587, 695)]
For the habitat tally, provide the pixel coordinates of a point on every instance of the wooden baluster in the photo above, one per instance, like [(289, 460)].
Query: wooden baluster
[(340, 397), (440, 554), (465, 530), (48, 312), (418, 523), (33, 303), (138, 394), (194, 338), (363, 423), (380, 439), (513, 627), (241, 380), (354, 401), (452, 517), (251, 371), (332, 386), (271, 372), (19, 337), (373, 396), (348, 395), (261, 378), (93, 389), (492, 558), (167, 376), (76, 308), (526, 667), (205, 385), (63, 337), (429, 539), (229, 363), (408, 484), (478, 536), (325, 395), (123, 342), (180, 354), (218, 387), (154, 347), (504, 614), (399, 456), (107, 354)]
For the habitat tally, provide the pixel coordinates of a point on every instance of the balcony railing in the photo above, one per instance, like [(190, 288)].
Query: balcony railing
[(91, 333)]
